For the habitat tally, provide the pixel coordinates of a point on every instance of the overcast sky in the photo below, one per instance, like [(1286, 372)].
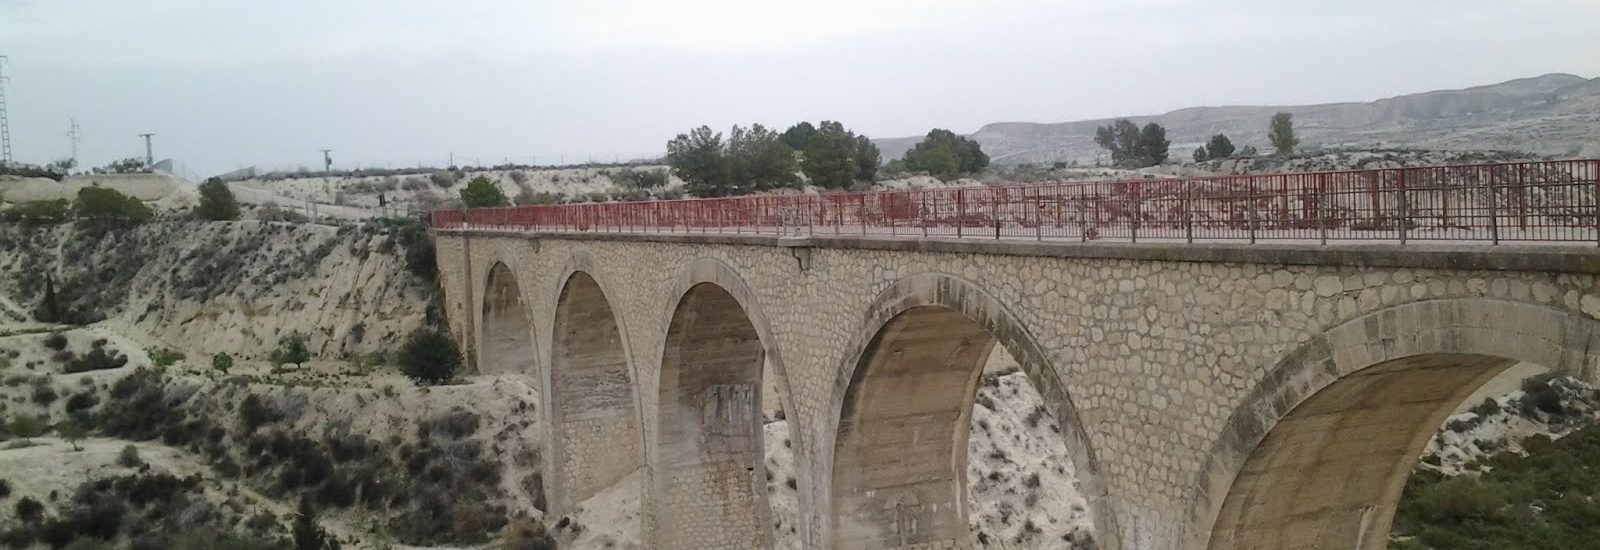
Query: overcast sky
[(230, 83)]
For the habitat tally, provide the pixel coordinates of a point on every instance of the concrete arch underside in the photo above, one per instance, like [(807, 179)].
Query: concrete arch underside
[(1318, 454), (709, 476), (506, 345), (898, 466), (596, 439)]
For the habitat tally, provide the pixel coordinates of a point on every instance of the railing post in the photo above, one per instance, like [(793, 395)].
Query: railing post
[(1594, 174), (861, 211), (961, 211), (922, 215), (1250, 210), (1188, 211), (1133, 225), (994, 211), (1322, 208), (1405, 206), (1038, 218), (1494, 210)]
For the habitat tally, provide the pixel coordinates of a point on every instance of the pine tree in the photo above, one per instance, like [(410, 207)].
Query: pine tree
[(49, 310), (1281, 134)]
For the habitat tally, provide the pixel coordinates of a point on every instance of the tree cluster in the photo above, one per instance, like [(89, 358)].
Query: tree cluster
[(1132, 146), (1220, 147), (757, 158), (945, 155), (107, 206)]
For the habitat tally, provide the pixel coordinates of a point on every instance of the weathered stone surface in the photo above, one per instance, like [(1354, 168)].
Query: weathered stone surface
[(1179, 375)]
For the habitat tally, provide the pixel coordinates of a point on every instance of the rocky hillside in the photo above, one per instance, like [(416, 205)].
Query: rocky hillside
[(1554, 114), (234, 287)]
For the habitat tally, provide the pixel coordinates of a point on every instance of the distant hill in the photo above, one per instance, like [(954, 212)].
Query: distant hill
[(1554, 114)]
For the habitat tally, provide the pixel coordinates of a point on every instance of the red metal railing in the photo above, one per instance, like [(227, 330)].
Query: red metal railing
[(1554, 201)]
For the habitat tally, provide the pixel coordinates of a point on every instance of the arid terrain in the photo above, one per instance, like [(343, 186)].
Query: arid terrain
[(1554, 114)]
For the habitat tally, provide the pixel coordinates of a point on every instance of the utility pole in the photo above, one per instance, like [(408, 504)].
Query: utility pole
[(327, 161), (72, 137), (5, 121), (149, 155)]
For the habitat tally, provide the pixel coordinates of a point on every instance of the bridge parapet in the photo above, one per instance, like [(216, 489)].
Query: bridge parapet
[(1545, 201)]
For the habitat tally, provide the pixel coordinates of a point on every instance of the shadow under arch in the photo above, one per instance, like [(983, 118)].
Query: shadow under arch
[(594, 416), (505, 333), (921, 319), (1319, 450), (708, 482)]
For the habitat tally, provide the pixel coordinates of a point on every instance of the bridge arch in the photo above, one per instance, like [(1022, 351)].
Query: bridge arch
[(505, 335), (889, 483), (1319, 451), (595, 426), (709, 477)]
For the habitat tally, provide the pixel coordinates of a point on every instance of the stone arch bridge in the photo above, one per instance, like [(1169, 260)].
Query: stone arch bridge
[(1213, 396)]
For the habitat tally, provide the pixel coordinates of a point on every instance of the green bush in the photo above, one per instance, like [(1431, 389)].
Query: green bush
[(291, 349), (216, 202), (40, 212), (106, 205), (482, 193), (97, 359), (1546, 499), (430, 356), (166, 357), (25, 425), (221, 362), (29, 510), (56, 341)]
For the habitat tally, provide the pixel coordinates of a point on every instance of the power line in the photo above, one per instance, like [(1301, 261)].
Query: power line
[(327, 161)]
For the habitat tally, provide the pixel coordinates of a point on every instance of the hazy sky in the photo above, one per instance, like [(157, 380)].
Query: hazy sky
[(229, 83)]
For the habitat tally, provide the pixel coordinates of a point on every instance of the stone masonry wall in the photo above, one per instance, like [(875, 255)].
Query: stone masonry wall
[(1157, 355)]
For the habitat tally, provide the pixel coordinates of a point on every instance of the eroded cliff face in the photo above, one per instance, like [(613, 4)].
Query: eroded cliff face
[(221, 287)]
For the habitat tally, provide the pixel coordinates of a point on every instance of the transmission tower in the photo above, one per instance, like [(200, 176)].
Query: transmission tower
[(72, 136), (5, 121)]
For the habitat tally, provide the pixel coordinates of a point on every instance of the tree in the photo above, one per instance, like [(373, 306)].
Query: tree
[(868, 158), (758, 160), (1200, 154), (830, 157), (1220, 147), (1153, 143), (798, 137), (216, 202), (430, 356), (292, 349), (1131, 146), (1120, 138), (308, 535), (62, 166), (222, 362), (72, 431), (945, 155), (130, 165), (482, 193), (107, 206), (698, 159), (49, 310), (1281, 134)]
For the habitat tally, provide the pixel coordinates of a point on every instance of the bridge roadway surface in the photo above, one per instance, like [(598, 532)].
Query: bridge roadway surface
[(1214, 395)]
